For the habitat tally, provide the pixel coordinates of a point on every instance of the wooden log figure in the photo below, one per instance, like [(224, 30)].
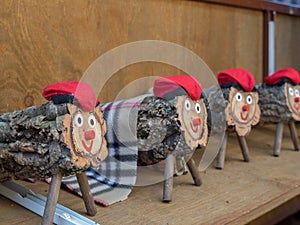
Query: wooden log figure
[(242, 109), (183, 117), (60, 138), (178, 114), (279, 100)]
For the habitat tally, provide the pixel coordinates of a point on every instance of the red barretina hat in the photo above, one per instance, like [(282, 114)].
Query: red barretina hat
[(82, 92), (166, 85), (239, 76), (287, 73)]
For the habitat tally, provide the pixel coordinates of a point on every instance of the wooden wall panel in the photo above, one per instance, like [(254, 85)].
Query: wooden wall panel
[(42, 42), (287, 42)]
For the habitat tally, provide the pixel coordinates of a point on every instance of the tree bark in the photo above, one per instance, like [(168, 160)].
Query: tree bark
[(215, 105), (32, 144), (273, 105)]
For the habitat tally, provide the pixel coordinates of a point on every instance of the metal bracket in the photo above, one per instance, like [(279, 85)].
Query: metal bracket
[(36, 203)]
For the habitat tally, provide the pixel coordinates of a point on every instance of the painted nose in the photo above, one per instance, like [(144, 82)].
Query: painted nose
[(297, 99), (89, 135), (196, 122), (245, 108)]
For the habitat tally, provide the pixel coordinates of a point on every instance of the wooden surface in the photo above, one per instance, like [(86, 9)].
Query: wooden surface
[(240, 193), (287, 36), (50, 41)]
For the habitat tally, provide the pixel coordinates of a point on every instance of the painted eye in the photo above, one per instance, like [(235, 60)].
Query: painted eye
[(249, 99), (297, 93), (92, 121), (238, 97), (198, 108), (187, 104), (78, 120), (291, 91)]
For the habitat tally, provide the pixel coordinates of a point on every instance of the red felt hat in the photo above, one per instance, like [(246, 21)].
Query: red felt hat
[(165, 85), (287, 73), (238, 75), (81, 91)]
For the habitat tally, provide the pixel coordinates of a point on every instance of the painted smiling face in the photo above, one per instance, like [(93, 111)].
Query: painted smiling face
[(292, 94), (84, 135), (242, 110), (193, 116)]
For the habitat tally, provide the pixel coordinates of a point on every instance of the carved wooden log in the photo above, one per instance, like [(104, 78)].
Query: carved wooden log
[(280, 104), (38, 142), (242, 112), (275, 104), (55, 140), (168, 129), (52, 140), (161, 131)]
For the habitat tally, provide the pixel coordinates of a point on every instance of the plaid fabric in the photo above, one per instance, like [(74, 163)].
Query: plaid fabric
[(116, 176)]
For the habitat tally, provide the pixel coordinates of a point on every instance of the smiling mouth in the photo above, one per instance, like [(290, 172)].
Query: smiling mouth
[(296, 107), (194, 128), (244, 117), (87, 148)]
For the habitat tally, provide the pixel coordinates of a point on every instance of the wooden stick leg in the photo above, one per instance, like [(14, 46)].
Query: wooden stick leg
[(86, 194), (294, 135), (278, 139), (222, 152), (168, 182), (194, 172), (244, 147), (52, 198)]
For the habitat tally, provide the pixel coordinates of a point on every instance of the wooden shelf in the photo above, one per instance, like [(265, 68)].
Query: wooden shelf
[(263, 191)]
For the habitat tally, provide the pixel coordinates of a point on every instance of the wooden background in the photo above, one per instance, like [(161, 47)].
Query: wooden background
[(287, 42), (43, 42)]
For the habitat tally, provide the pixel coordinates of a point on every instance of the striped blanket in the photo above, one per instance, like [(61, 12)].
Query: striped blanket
[(114, 179)]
